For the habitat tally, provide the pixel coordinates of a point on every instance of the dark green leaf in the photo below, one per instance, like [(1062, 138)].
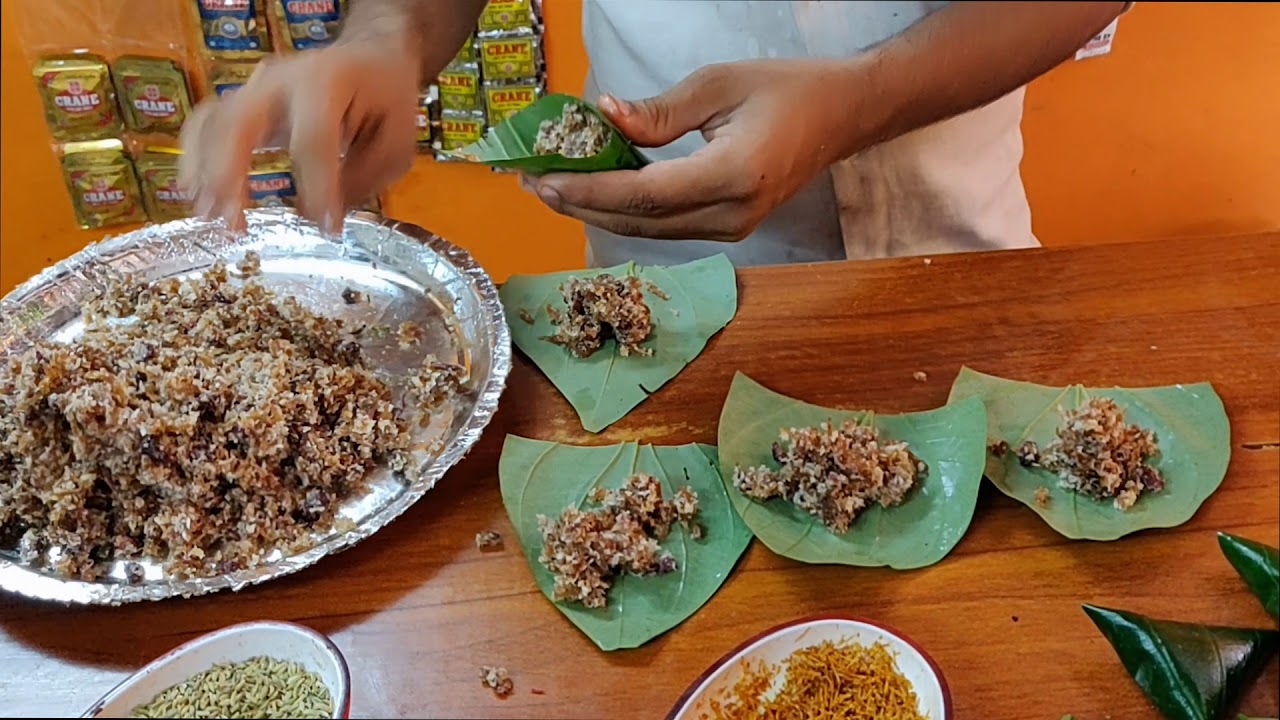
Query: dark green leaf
[(1190, 672), (510, 144), (1191, 429), (919, 532), (1258, 564), (702, 296), (544, 478)]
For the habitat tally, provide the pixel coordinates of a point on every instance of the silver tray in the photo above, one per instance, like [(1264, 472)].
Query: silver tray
[(407, 274)]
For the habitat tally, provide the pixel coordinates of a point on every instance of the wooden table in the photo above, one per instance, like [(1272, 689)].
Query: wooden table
[(416, 609)]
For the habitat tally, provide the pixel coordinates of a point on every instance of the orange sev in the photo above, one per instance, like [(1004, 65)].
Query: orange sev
[(828, 681)]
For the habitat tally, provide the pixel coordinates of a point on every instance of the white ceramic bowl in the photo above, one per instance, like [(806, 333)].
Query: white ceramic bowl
[(776, 644), (237, 643)]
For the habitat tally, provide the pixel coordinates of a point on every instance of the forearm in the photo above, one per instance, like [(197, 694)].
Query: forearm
[(428, 31), (963, 57)]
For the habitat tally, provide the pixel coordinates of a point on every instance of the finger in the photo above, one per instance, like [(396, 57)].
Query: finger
[(218, 147), (314, 147), (382, 150), (686, 107), (727, 222), (657, 190)]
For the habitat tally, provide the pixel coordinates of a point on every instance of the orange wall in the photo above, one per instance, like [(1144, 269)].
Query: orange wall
[(1174, 133)]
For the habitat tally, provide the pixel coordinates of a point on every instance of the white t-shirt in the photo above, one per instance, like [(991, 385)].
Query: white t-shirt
[(950, 187)]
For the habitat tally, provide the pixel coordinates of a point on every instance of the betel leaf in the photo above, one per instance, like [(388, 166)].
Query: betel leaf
[(1191, 429), (919, 532), (510, 143), (701, 298), (1189, 672), (544, 478), (1258, 565)]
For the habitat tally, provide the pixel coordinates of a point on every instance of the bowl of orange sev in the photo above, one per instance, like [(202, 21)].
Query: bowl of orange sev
[(822, 667)]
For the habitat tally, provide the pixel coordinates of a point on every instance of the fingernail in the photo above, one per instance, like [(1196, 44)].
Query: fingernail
[(550, 196), (614, 106)]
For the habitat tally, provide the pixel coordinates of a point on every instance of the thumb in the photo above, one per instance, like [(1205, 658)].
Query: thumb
[(664, 118)]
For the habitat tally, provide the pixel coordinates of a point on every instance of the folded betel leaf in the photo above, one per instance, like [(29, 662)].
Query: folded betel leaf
[(1188, 671), (557, 133), (820, 485), (609, 338), (1100, 463), (1258, 565), (628, 540)]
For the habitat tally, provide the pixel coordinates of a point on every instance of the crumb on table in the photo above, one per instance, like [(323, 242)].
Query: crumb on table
[(497, 680), (920, 376), (488, 540)]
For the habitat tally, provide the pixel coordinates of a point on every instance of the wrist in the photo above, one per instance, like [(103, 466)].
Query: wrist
[(865, 102)]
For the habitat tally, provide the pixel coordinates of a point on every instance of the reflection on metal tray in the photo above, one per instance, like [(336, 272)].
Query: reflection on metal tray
[(405, 272)]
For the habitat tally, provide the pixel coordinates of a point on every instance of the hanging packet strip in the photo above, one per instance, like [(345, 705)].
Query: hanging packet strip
[(229, 77), (162, 197), (153, 93), (500, 15), (234, 28), (78, 96), (309, 24), (504, 98), (460, 87), (458, 129), (100, 180), (510, 55), (271, 181)]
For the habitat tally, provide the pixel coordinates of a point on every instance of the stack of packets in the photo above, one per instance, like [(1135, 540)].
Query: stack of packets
[(498, 72), (92, 108), (116, 123)]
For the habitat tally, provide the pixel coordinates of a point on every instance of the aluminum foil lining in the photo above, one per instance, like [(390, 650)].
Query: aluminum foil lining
[(405, 273)]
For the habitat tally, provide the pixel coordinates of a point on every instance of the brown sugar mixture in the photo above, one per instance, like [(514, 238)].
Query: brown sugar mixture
[(834, 473), (497, 680), (1097, 454), (577, 133), (586, 549), (600, 308), (217, 424)]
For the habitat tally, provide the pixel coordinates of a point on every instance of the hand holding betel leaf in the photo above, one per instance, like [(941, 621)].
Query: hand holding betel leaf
[(770, 129)]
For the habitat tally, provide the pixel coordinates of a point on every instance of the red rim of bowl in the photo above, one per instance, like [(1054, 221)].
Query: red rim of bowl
[(345, 673), (687, 695)]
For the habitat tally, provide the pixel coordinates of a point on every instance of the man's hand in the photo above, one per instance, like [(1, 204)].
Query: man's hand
[(767, 125), (772, 125), (347, 113)]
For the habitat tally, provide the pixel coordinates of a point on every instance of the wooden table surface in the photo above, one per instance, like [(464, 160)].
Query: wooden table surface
[(417, 610)]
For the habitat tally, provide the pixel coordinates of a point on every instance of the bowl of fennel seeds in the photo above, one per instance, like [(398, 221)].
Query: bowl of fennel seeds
[(251, 670)]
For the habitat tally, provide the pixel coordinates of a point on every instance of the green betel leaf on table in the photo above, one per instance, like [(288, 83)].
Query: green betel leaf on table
[(545, 478), (1189, 672), (921, 531), (701, 298), (1192, 432), (1258, 565), (511, 143)]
